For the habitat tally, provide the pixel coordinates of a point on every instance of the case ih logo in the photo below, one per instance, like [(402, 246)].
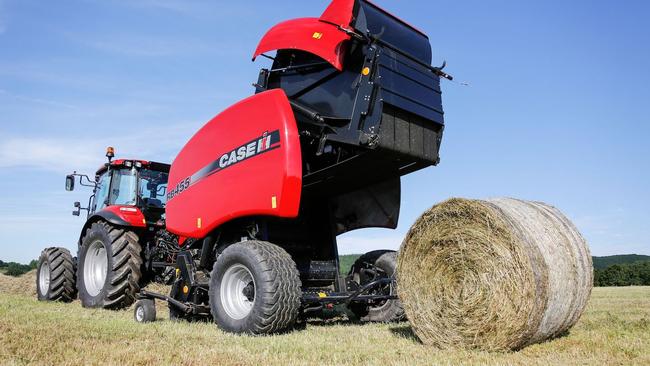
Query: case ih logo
[(263, 144)]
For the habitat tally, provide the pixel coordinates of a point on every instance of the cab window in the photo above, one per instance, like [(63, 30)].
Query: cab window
[(101, 195), (124, 187), (153, 188)]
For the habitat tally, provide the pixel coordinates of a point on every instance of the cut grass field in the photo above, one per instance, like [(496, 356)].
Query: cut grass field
[(615, 330)]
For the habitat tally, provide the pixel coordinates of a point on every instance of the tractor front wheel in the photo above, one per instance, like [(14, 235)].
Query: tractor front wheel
[(110, 267), (255, 289)]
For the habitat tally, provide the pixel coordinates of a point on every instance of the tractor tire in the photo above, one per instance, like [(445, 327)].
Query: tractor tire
[(389, 311), (255, 289), (110, 267), (55, 276)]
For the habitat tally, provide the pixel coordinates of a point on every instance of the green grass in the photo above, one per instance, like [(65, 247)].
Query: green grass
[(346, 262), (615, 330)]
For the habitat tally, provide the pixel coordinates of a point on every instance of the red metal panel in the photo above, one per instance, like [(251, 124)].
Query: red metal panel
[(308, 34), (339, 12), (129, 214), (244, 162), (120, 162)]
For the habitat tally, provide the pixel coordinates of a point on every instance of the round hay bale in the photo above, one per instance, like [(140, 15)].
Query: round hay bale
[(499, 274)]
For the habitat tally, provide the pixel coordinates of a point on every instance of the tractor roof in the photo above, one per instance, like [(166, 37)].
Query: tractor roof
[(118, 163)]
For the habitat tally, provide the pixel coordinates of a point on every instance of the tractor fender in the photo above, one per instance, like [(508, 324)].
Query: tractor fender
[(127, 216)]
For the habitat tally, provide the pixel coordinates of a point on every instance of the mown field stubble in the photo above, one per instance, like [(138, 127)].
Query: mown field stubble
[(615, 330)]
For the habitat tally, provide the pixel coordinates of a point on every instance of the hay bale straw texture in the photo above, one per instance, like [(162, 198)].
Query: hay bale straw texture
[(23, 285), (498, 274)]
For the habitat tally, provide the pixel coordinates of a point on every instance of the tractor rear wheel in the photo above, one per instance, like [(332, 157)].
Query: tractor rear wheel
[(383, 263), (110, 267), (55, 278), (255, 289)]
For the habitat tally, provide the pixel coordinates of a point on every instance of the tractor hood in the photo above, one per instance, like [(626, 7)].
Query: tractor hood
[(328, 35)]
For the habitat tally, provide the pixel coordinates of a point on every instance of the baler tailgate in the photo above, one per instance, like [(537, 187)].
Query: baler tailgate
[(410, 87)]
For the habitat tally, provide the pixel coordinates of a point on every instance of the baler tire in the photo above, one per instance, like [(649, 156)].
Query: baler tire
[(145, 311), (123, 267), (55, 276), (389, 312), (276, 288)]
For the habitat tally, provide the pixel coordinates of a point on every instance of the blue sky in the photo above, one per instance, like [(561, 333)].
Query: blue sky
[(555, 110)]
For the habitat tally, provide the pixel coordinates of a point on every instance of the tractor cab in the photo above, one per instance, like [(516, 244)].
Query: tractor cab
[(132, 192)]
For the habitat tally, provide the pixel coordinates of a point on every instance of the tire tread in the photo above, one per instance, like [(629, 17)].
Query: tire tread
[(125, 273), (62, 275), (280, 291)]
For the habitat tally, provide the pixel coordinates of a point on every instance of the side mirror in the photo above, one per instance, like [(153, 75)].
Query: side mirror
[(77, 211), (69, 183)]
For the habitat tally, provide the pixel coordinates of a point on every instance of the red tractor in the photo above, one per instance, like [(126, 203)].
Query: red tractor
[(120, 243), (243, 224)]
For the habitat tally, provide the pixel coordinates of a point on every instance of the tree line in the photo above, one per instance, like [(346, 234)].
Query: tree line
[(625, 274), (17, 269)]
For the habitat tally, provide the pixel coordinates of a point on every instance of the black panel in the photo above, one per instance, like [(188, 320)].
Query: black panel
[(409, 134), (410, 86), (393, 31), (373, 206), (322, 88)]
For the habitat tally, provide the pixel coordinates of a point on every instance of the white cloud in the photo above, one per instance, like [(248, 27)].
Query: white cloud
[(46, 153), (84, 154)]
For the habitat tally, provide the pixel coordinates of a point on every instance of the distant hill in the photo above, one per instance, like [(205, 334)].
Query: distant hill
[(604, 262)]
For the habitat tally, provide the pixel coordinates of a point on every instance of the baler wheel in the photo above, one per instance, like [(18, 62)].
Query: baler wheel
[(255, 289), (388, 311), (110, 267), (145, 311), (55, 279)]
